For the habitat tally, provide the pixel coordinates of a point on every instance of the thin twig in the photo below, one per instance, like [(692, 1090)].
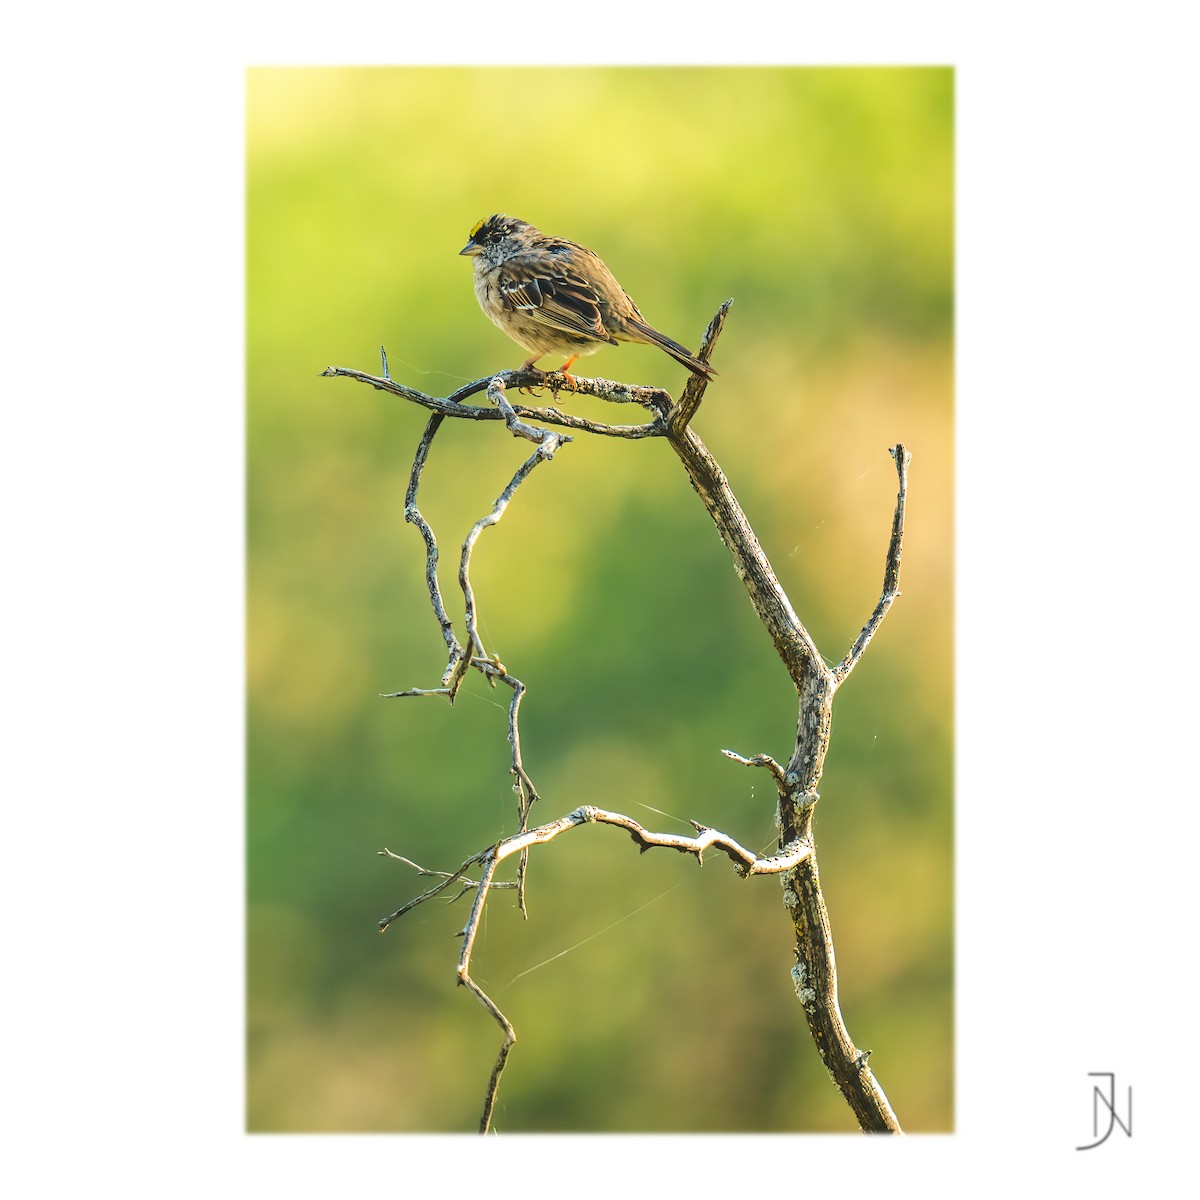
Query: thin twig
[(464, 978), (448, 877), (527, 794), (431, 874), (414, 516), (764, 760), (428, 895), (891, 570), (604, 389), (548, 444), (693, 391)]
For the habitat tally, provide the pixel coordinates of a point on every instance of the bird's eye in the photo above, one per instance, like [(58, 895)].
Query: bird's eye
[(489, 231)]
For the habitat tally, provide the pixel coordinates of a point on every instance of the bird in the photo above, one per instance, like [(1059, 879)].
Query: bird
[(551, 295)]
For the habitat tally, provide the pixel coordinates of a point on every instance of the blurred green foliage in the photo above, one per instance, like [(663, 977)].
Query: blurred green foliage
[(648, 995)]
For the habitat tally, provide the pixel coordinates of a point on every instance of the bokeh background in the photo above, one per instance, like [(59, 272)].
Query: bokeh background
[(648, 994)]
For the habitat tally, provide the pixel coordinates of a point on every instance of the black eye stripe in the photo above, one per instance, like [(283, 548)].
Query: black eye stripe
[(494, 229)]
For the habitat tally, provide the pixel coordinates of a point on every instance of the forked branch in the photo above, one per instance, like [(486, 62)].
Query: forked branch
[(745, 862), (815, 974)]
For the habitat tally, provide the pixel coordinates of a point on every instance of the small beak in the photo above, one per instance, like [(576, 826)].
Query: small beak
[(471, 248)]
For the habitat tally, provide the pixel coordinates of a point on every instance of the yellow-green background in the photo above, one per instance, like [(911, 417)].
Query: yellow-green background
[(821, 200)]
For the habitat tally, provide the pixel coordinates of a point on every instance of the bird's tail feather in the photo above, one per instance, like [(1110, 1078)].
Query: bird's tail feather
[(680, 353)]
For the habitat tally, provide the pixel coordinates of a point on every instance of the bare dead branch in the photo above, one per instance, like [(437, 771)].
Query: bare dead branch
[(467, 884), (891, 570), (815, 974), (815, 684), (610, 390), (548, 443), (447, 880), (745, 862), (509, 1037), (474, 654), (792, 641), (527, 794), (815, 979), (605, 389), (456, 666), (782, 783), (509, 1034), (693, 391)]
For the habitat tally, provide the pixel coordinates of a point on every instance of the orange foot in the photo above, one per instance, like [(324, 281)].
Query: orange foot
[(565, 372), (527, 365)]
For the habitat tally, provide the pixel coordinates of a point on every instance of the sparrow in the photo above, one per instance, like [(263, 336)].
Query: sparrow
[(551, 295)]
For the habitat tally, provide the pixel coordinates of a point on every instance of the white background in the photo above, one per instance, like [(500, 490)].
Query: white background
[(123, 542)]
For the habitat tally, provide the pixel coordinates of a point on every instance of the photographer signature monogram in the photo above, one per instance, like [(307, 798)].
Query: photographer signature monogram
[(1108, 1100)]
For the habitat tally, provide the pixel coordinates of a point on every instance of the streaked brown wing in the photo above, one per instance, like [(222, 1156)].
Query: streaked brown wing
[(559, 299)]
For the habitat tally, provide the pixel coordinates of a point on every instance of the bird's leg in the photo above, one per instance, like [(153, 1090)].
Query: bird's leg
[(565, 372), (527, 365)]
